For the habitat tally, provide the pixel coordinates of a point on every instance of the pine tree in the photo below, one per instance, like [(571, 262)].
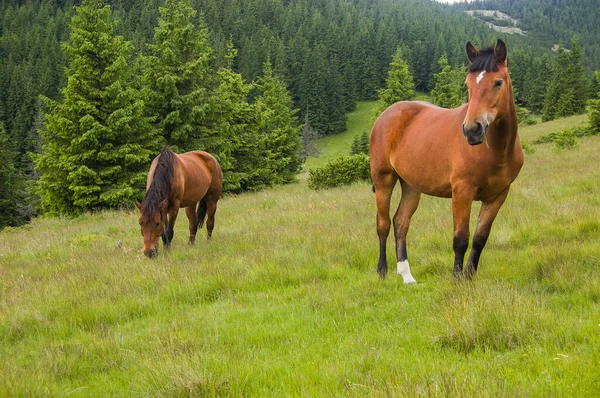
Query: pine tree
[(593, 109), (576, 78), (279, 124), (399, 83), (448, 91), (556, 86), (364, 143), (355, 149), (10, 183), (230, 131), (568, 90), (97, 144), (178, 76)]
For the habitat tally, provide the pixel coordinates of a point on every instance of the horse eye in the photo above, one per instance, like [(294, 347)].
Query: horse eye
[(156, 225), (498, 83)]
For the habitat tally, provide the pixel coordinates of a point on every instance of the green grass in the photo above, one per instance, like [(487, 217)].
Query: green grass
[(359, 121), (285, 300)]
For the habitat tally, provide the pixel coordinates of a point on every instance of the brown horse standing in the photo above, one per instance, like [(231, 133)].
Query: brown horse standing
[(176, 181), (438, 152)]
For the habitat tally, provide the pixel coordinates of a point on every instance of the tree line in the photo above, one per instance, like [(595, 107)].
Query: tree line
[(329, 54)]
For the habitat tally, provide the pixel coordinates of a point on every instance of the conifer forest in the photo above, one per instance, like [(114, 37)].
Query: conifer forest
[(91, 90)]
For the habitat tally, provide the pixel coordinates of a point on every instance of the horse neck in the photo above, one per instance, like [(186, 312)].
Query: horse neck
[(502, 134), (160, 188)]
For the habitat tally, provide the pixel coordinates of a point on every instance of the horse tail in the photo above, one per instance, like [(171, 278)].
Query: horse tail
[(201, 212)]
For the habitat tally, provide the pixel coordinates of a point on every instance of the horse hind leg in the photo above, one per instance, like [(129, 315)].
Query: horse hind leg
[(407, 207), (210, 210), (190, 211), (384, 185)]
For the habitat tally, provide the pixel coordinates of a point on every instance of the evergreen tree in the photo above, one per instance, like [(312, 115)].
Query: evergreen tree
[(576, 78), (593, 109), (279, 124), (364, 143), (97, 144), (448, 90), (536, 83), (11, 183), (568, 90), (556, 86), (178, 76), (231, 132), (399, 83), (355, 149)]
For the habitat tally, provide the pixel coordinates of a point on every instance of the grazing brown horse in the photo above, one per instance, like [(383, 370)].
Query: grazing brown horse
[(176, 181), (439, 152)]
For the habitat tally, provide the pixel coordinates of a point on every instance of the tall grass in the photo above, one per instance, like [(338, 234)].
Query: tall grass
[(285, 300)]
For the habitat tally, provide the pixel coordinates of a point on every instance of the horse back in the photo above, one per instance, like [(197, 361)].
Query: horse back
[(197, 174)]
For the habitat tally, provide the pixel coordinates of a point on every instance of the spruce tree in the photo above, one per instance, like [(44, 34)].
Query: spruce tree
[(10, 183), (279, 124), (568, 90), (364, 143), (230, 131), (448, 91), (399, 83), (355, 149), (96, 144), (178, 76), (593, 109)]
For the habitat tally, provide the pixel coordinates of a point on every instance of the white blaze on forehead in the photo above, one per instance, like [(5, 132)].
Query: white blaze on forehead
[(480, 76)]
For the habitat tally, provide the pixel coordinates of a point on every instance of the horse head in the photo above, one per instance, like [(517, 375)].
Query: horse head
[(490, 90), (152, 224)]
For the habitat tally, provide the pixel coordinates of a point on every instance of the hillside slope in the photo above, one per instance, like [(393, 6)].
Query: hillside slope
[(285, 299)]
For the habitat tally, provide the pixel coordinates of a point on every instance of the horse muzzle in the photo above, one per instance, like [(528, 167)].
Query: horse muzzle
[(152, 252), (475, 133)]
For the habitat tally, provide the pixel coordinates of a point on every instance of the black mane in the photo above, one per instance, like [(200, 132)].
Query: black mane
[(485, 61), (160, 188)]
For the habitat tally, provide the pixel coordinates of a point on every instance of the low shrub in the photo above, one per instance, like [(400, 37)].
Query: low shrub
[(577, 132), (566, 139), (527, 147), (341, 171), (525, 117)]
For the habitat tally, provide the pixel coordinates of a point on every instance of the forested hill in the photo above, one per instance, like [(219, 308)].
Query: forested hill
[(550, 22), (328, 53)]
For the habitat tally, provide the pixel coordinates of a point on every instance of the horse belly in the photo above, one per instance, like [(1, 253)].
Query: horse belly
[(425, 174)]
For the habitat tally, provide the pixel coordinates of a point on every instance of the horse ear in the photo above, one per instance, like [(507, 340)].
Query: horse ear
[(471, 52), (500, 52), (162, 206), (138, 205)]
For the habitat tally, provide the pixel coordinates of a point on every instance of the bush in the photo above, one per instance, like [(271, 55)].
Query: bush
[(341, 171), (527, 147), (566, 139), (577, 132), (525, 117)]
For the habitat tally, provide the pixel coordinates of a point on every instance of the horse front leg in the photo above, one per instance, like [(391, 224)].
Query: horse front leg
[(462, 200), (487, 214), (171, 218)]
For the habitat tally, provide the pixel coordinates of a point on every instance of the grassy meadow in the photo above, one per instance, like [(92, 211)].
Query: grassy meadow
[(285, 300)]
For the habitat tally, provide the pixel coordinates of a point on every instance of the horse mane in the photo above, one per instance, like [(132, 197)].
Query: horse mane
[(485, 61), (160, 188)]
